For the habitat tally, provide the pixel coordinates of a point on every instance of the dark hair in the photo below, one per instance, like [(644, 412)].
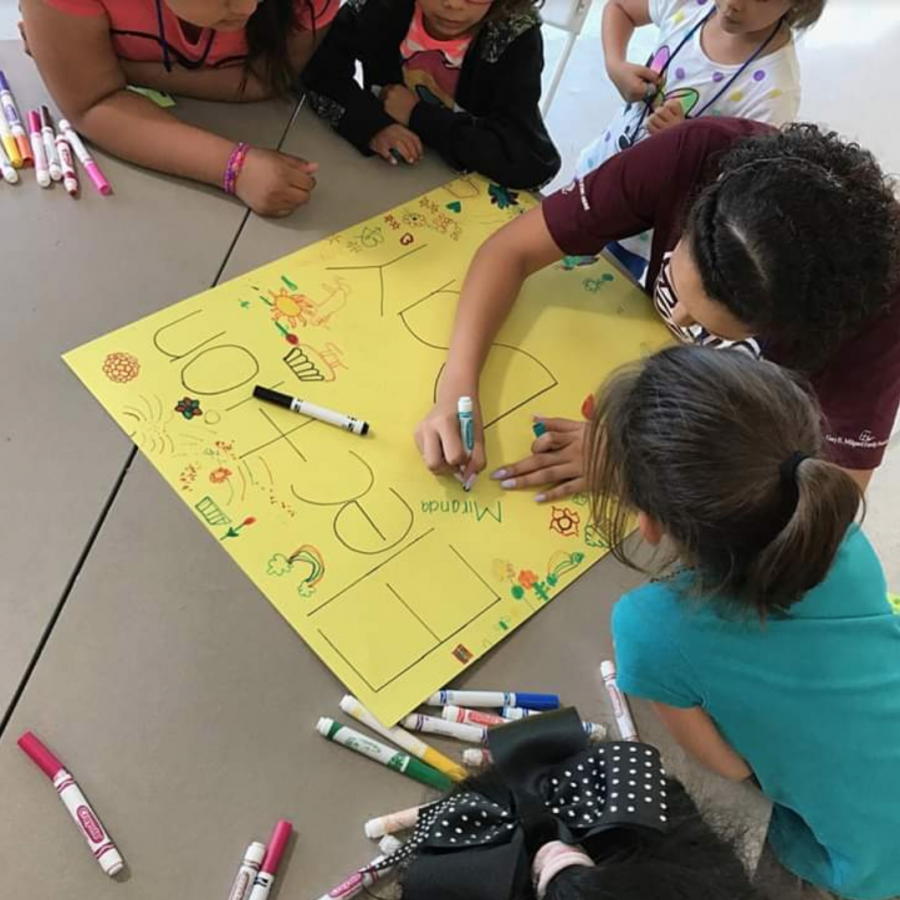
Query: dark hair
[(705, 442), (690, 860), (804, 14), (799, 237), (268, 31), (505, 9)]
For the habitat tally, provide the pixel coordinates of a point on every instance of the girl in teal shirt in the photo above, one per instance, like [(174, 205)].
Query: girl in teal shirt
[(773, 652)]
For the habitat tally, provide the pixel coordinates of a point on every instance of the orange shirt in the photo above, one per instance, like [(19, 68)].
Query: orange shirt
[(136, 34)]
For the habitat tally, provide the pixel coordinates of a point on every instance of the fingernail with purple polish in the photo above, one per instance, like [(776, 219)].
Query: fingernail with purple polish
[(508, 484), (540, 498), (500, 473)]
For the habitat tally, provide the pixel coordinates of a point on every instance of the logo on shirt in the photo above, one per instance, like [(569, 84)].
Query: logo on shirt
[(865, 441)]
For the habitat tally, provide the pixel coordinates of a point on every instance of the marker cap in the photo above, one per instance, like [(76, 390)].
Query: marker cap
[(255, 854), (34, 120), (4, 84), (465, 405), (277, 843), (40, 754), (608, 668), (537, 701)]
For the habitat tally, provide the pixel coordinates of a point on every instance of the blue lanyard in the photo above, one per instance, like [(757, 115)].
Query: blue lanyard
[(648, 104)]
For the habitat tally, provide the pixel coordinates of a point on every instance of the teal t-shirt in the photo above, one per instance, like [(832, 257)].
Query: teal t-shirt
[(811, 700)]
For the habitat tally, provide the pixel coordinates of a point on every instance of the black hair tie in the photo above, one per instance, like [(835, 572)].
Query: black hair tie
[(790, 465)]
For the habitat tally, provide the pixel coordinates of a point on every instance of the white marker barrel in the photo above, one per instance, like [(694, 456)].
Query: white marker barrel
[(243, 881), (471, 716), (402, 820), (472, 734), (625, 723), (88, 822)]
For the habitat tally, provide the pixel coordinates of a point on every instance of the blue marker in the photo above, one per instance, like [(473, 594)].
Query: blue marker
[(466, 408), (539, 428), (493, 699)]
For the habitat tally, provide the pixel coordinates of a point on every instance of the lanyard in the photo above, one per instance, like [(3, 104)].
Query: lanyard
[(631, 136)]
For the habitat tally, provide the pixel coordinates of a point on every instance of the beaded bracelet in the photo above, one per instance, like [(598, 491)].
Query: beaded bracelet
[(234, 166)]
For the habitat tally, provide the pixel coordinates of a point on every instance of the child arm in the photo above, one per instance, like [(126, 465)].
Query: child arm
[(620, 18), (696, 732), (335, 95), (510, 144), (80, 68)]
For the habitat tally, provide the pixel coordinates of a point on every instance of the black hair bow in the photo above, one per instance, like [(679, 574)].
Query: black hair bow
[(548, 783)]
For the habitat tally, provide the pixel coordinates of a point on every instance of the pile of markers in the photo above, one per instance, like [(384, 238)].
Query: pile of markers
[(466, 716), (41, 147)]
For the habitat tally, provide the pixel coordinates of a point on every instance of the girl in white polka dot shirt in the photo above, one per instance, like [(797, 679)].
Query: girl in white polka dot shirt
[(713, 58)]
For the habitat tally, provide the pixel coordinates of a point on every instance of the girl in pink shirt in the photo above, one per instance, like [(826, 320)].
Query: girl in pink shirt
[(88, 51)]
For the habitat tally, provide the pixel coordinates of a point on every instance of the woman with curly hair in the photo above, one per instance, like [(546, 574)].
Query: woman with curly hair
[(89, 51), (784, 244), (461, 76)]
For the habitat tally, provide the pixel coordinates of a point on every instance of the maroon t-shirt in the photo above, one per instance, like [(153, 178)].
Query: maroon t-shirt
[(649, 186)]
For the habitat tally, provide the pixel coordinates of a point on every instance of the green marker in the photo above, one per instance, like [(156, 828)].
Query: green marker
[(539, 428), (393, 759)]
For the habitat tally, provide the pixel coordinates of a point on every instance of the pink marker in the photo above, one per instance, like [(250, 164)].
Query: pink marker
[(85, 158), (41, 170), (88, 822), (263, 882), (358, 882), (627, 731)]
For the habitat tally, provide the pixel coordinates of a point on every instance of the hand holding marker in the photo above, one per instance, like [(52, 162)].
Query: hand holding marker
[(465, 408)]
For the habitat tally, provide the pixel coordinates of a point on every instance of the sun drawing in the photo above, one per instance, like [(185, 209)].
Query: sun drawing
[(293, 308)]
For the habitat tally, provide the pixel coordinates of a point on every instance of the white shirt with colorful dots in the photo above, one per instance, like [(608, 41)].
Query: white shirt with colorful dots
[(767, 91)]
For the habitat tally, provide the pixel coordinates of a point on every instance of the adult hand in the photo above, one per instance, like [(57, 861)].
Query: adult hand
[(399, 139), (668, 115), (634, 82), (275, 184), (557, 458), (439, 441), (399, 102)]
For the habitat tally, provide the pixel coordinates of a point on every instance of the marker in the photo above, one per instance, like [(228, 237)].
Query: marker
[(472, 734), (85, 158), (465, 408), (10, 175), (10, 147), (50, 145), (471, 716), (305, 408), (397, 155), (514, 713), (399, 762), (70, 177), (625, 723), (98, 840), (42, 173), (11, 111), (493, 699), (358, 882), (403, 739), (477, 759), (243, 881), (389, 844), (263, 882), (402, 820)]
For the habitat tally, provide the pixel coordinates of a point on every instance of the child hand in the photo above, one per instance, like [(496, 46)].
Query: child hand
[(557, 458), (399, 102), (634, 82), (396, 137), (275, 184), (439, 441), (671, 113)]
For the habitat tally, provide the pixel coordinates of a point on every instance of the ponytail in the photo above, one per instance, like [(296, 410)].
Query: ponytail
[(800, 555)]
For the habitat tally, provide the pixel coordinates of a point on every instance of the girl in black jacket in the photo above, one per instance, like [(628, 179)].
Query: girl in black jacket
[(462, 76)]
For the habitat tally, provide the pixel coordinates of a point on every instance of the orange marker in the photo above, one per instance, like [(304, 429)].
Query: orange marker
[(14, 120)]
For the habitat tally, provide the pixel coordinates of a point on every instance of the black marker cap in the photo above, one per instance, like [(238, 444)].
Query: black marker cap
[(270, 396)]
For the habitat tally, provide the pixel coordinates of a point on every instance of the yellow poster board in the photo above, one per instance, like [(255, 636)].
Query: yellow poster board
[(398, 580)]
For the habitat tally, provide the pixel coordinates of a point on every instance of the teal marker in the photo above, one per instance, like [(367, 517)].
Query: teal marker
[(539, 428), (466, 409)]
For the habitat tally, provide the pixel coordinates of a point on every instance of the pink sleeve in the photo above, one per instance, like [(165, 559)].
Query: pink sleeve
[(316, 13), (79, 7)]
